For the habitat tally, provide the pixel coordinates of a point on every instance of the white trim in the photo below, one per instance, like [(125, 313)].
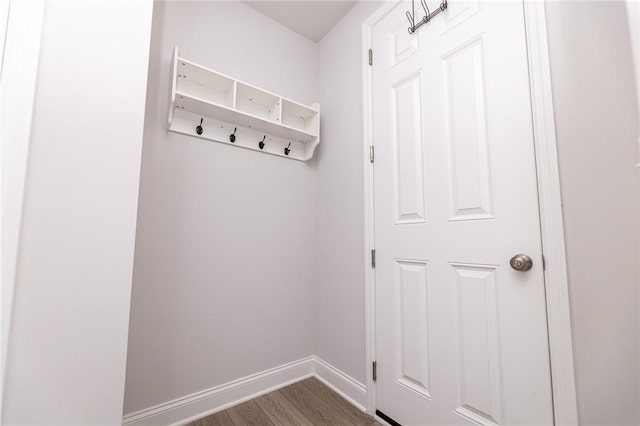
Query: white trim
[(367, 132), (191, 407), (343, 384), (200, 404), (18, 80), (551, 221), (556, 282)]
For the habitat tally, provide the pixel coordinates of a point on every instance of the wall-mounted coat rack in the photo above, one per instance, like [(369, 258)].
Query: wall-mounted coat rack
[(413, 25), (210, 105)]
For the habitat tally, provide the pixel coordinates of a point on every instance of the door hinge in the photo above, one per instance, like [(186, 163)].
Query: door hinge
[(373, 258), (375, 370), (372, 153), (370, 56), (544, 263)]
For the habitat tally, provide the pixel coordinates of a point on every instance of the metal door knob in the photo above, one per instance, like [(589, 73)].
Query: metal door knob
[(521, 262)]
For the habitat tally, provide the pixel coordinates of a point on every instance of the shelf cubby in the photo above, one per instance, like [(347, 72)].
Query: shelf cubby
[(258, 103), (226, 105), (300, 117), (199, 82)]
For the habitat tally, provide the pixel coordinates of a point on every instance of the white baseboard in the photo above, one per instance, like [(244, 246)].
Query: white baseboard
[(345, 385), (200, 404)]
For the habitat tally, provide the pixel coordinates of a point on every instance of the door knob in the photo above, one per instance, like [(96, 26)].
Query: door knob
[(521, 262)]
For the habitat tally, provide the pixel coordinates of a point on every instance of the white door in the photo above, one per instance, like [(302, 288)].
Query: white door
[(461, 336)]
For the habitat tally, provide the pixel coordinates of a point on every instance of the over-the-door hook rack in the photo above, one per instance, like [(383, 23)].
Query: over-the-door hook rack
[(413, 26)]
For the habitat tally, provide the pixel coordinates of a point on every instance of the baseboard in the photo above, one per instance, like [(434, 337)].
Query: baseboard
[(345, 385), (191, 407), (200, 404)]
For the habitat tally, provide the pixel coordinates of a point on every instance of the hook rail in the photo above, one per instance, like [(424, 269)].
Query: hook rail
[(413, 26)]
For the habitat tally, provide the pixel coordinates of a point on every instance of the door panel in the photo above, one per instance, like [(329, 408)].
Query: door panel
[(460, 336), (407, 150), (466, 123), (412, 297), (477, 347)]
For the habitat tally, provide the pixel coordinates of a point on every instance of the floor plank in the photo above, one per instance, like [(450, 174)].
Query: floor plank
[(313, 408), (351, 413), (306, 403), (249, 413), (281, 411)]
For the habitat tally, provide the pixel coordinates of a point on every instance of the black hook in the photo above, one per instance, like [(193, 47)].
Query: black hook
[(199, 127), (287, 150), (261, 144), (232, 136)]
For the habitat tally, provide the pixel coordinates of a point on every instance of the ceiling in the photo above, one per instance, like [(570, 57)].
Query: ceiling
[(309, 18)]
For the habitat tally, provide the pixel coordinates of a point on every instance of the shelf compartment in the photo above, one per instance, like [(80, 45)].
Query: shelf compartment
[(300, 117), (258, 103), (204, 108), (204, 83)]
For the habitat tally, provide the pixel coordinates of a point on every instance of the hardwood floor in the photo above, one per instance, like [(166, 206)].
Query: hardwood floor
[(305, 403)]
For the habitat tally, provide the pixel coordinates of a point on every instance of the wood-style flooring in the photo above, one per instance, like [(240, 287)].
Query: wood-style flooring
[(305, 403)]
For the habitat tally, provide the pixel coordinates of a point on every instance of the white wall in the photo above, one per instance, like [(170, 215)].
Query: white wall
[(224, 264), (66, 361), (340, 320), (633, 17), (597, 129)]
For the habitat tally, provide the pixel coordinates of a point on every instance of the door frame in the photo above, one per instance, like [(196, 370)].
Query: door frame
[(550, 202), (21, 27)]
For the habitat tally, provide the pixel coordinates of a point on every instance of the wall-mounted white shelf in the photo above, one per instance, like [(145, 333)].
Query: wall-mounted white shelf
[(228, 106)]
